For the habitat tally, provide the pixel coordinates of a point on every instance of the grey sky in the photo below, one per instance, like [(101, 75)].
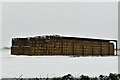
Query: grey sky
[(0, 24), (119, 35), (0, 39), (97, 20)]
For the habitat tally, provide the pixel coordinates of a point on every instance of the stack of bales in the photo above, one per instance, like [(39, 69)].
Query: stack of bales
[(57, 45)]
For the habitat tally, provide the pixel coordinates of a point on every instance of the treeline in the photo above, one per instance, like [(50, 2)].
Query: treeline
[(70, 77)]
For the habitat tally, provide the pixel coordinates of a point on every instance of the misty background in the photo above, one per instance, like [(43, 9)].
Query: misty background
[(81, 19), (95, 20)]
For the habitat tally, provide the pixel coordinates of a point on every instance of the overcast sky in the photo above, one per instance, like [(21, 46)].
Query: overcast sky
[(84, 19)]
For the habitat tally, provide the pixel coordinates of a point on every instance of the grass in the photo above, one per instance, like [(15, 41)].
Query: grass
[(111, 76)]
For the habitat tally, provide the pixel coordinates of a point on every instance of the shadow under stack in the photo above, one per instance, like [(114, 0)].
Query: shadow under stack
[(59, 45)]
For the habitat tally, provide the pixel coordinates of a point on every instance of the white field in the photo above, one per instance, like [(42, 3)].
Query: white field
[(51, 66)]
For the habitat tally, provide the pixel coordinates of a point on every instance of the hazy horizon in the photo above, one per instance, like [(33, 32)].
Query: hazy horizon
[(82, 19)]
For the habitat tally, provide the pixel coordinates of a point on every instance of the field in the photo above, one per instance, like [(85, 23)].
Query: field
[(36, 66)]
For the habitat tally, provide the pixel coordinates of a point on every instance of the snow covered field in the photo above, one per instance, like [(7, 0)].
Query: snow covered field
[(43, 66), (87, 19)]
